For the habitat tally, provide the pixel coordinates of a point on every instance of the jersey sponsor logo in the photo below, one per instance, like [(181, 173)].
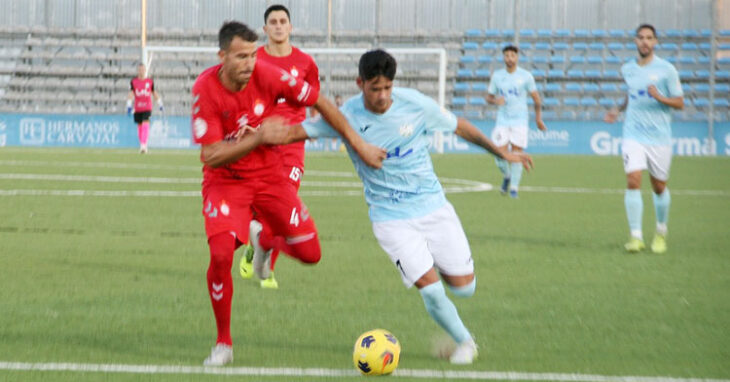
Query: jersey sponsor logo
[(406, 130), (397, 153), (145, 92), (200, 127)]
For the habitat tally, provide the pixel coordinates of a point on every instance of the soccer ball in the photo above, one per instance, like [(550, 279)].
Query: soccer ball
[(376, 352)]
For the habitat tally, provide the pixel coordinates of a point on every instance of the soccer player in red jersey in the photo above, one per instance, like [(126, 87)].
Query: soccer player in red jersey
[(242, 172), (279, 52), (141, 90)]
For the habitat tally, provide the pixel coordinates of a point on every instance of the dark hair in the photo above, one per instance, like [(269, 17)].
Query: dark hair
[(510, 47), (276, 7), (377, 63), (646, 26), (231, 29)]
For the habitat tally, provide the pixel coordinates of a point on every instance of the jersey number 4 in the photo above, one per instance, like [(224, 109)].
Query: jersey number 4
[(294, 219)]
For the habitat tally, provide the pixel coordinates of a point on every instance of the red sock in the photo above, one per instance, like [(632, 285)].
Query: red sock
[(220, 283)]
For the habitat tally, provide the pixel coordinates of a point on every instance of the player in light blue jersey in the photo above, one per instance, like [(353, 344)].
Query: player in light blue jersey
[(508, 88), (411, 218), (653, 91)]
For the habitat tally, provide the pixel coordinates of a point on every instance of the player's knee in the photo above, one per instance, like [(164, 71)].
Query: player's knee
[(222, 246), (465, 290), (308, 252)]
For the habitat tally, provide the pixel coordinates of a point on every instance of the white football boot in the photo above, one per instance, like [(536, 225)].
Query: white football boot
[(261, 258), (465, 353), (220, 355)]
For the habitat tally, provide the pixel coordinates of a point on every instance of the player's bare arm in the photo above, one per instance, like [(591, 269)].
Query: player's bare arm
[(494, 100), (373, 156), (673, 102), (538, 111), (222, 153), (471, 133), (612, 114)]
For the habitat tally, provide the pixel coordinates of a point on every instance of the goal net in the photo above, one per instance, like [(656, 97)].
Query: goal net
[(175, 68)]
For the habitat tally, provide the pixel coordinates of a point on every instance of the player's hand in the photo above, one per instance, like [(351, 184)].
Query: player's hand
[(129, 110), (372, 155), (519, 157), (653, 92), (273, 131), (159, 103), (611, 116), (499, 101), (541, 125)]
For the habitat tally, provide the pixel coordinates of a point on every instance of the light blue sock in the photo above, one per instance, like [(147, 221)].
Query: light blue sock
[(516, 169), (466, 290), (634, 209), (661, 207), (504, 167), (443, 311)]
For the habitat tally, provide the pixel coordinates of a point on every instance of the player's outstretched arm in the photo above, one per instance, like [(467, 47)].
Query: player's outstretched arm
[(372, 155), (471, 133)]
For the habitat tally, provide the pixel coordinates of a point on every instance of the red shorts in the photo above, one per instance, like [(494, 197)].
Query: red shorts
[(228, 206)]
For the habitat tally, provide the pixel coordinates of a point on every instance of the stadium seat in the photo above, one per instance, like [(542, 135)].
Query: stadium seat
[(699, 88), (577, 60), (553, 87), (479, 87), (607, 101), (686, 60), (477, 101), (557, 59), (706, 46), (592, 73), (571, 101), (562, 33), (525, 46), (722, 88), (556, 73), (530, 101), (508, 33), (492, 33), (618, 33), (673, 33), (689, 46), (615, 46), (703, 60), (705, 33), (551, 102), (685, 74), (538, 73), (671, 59), (539, 60), (473, 33), (467, 59), (723, 74), (561, 46), (623, 87), (721, 102), (594, 60), (542, 46), (724, 33), (581, 33), (668, 46), (612, 60), (549, 115), (702, 74), (458, 101), (609, 87), (580, 46), (488, 45), (573, 87), (545, 32), (465, 73), (723, 46), (690, 33), (461, 87), (575, 73), (588, 101), (723, 61), (598, 46), (484, 59), (598, 33), (591, 88), (482, 73), (473, 114), (527, 33), (630, 46), (470, 45), (701, 102)]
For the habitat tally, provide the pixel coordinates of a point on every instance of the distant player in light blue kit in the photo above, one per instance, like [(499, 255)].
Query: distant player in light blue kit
[(654, 90), (508, 88), (412, 220)]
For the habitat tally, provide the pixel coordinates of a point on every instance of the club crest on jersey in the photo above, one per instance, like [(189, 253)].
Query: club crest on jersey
[(258, 108), (294, 72), (406, 130), (200, 127)]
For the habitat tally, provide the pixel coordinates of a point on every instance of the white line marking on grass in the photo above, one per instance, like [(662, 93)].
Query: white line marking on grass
[(167, 194), (315, 372), (583, 190)]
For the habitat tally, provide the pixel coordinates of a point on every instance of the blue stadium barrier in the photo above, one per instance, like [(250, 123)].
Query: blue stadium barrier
[(479, 87), (461, 87), (482, 73), (553, 87)]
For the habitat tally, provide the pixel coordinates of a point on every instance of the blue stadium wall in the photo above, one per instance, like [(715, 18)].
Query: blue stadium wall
[(115, 131)]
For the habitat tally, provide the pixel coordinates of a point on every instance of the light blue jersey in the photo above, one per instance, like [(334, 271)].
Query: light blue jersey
[(514, 87), (406, 186), (648, 120)]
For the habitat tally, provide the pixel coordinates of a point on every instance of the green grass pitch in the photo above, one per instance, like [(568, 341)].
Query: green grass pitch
[(121, 280)]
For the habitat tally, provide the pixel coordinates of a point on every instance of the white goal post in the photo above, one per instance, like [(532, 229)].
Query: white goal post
[(323, 55)]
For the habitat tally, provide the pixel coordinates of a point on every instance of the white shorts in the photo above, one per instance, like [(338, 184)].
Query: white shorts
[(417, 245), (638, 157), (516, 135)]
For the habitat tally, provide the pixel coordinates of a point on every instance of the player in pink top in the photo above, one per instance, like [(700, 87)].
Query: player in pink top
[(141, 90), (241, 172), (279, 52)]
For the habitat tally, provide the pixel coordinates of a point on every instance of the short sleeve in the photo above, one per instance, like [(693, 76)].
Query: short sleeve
[(530, 83), (318, 128), (435, 118), (206, 118), (674, 87), (296, 92), (312, 77), (492, 88)]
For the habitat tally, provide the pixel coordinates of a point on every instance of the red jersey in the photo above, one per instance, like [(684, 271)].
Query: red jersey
[(142, 89), (218, 114), (302, 67)]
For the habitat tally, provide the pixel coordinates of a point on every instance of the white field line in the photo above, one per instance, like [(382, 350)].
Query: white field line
[(315, 372)]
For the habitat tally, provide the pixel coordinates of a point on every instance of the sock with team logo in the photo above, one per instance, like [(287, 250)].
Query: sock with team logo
[(661, 208), (443, 311), (634, 208), (504, 167), (516, 170), (143, 132), (220, 283)]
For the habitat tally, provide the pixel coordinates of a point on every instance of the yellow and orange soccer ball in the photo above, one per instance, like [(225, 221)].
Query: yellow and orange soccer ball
[(376, 352)]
